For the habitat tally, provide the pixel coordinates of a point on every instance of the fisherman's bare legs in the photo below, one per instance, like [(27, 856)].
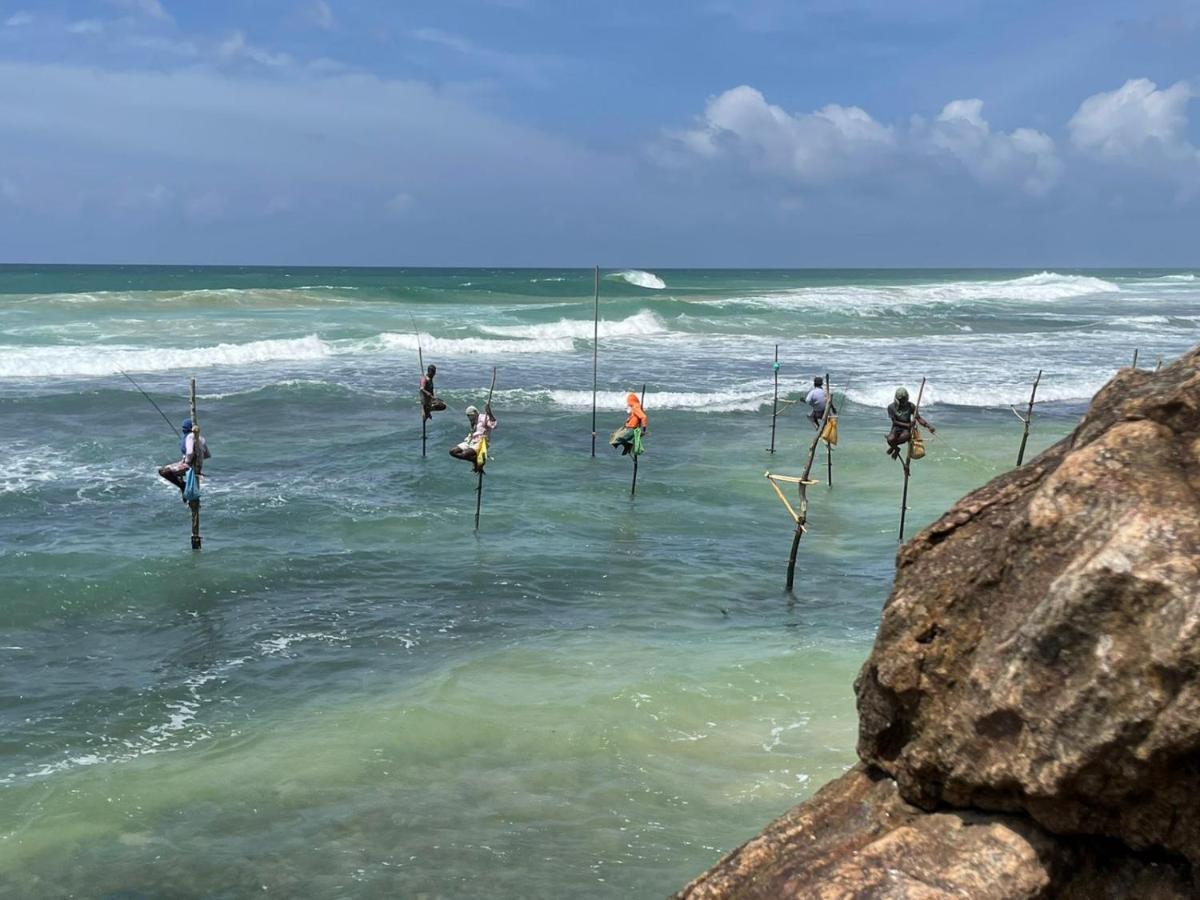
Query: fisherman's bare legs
[(175, 473)]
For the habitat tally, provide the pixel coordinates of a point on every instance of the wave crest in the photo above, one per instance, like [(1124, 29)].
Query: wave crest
[(875, 299), (641, 279), (639, 324)]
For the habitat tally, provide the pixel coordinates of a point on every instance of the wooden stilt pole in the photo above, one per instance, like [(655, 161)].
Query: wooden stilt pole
[(828, 446), (802, 483), (1135, 353), (421, 364), (198, 466), (775, 402), (595, 354), (487, 411), (908, 459), (633, 486), (1027, 418)]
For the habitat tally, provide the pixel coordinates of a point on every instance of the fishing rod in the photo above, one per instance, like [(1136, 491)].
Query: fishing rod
[(174, 430), (417, 335)]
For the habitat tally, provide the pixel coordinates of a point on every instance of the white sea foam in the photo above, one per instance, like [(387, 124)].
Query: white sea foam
[(638, 325), (179, 729), (641, 279), (945, 393), (696, 401), (308, 295), (21, 361), (40, 362), (1144, 323), (468, 346), (280, 644), (874, 299)]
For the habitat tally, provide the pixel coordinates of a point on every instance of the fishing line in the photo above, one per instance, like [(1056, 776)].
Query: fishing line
[(174, 430)]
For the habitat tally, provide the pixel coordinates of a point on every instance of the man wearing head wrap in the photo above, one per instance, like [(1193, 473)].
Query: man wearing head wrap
[(176, 472), (901, 412), (636, 419), (481, 429), (429, 402)]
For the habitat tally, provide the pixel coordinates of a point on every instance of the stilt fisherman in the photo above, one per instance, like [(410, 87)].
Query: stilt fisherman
[(177, 472)]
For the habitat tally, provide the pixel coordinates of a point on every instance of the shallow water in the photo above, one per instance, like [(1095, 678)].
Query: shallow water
[(349, 692)]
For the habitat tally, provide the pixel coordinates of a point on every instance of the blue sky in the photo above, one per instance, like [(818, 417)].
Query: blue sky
[(535, 132)]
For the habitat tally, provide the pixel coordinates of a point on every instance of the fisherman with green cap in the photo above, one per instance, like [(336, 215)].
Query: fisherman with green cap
[(901, 412)]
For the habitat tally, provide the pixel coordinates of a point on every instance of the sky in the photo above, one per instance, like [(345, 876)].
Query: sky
[(757, 133)]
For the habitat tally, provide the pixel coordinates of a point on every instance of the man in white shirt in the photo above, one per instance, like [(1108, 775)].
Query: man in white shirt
[(817, 399)]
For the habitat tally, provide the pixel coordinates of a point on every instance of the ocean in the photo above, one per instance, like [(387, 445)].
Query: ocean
[(349, 692)]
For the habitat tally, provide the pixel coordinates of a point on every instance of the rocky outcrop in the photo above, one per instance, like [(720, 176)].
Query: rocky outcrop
[(858, 838), (1030, 713)]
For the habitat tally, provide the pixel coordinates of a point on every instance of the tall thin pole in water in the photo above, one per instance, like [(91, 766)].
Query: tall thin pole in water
[(633, 486), (803, 482), (775, 402), (1135, 352), (421, 363), (1027, 418), (197, 466), (487, 411), (828, 445), (595, 356), (908, 457)]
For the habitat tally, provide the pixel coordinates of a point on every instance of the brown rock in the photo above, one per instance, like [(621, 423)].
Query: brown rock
[(857, 838), (1040, 650)]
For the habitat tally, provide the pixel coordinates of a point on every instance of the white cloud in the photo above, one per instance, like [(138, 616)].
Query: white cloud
[(840, 142), (832, 142), (1024, 157), (18, 19), (152, 9), (196, 127), (319, 13), (1135, 123), (236, 47), (86, 26)]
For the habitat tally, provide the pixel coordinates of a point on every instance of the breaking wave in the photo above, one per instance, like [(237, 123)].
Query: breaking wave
[(468, 346), (640, 324), (747, 400), (99, 360), (947, 394), (641, 279), (875, 299), (245, 298), (41, 362)]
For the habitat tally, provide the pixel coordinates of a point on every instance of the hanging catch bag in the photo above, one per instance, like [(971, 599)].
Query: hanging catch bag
[(918, 444)]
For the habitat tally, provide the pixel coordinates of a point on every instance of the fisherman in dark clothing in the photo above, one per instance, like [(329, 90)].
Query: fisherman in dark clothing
[(429, 402), (901, 413)]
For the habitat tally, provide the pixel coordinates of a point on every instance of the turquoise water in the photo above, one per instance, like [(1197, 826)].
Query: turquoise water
[(348, 692)]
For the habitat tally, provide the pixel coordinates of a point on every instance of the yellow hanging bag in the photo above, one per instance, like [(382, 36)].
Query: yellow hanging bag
[(918, 444), (829, 432)]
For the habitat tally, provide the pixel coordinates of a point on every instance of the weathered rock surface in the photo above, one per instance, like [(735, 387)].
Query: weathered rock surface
[(858, 838), (1030, 713), (1040, 650)]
